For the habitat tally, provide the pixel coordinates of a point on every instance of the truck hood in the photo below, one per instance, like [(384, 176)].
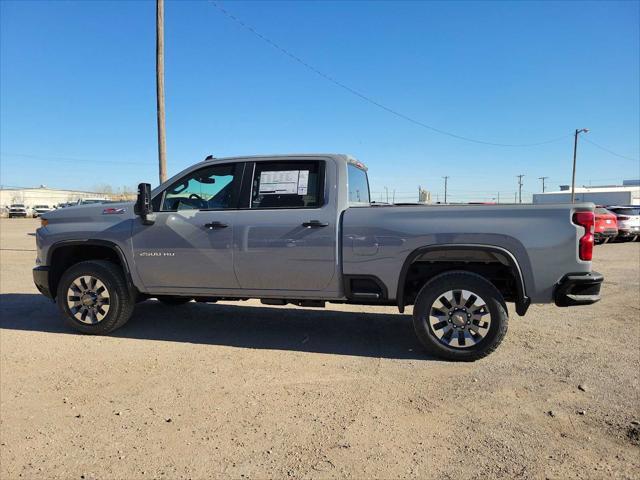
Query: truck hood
[(98, 212)]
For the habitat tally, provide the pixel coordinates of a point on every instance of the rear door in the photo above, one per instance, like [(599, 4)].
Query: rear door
[(189, 246), (285, 229)]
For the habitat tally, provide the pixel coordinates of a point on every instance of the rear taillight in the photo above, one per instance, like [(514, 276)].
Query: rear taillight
[(585, 246)]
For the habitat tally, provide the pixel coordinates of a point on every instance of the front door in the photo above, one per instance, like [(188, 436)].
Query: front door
[(286, 238), (189, 246)]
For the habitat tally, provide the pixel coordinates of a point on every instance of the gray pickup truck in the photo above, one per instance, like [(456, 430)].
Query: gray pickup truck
[(302, 229)]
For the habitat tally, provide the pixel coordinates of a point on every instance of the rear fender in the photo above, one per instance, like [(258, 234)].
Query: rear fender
[(522, 300)]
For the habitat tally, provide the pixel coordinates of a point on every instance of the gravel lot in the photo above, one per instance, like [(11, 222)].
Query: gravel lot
[(248, 391)]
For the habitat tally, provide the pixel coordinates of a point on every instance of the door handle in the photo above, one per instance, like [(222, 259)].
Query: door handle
[(314, 223), (213, 225)]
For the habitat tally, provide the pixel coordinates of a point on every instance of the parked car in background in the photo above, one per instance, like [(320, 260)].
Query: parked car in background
[(40, 209), (628, 221), (18, 210), (606, 225)]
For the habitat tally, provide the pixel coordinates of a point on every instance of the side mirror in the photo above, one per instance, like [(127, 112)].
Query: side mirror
[(143, 208)]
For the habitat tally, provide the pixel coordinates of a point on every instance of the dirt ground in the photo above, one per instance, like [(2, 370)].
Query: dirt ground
[(248, 391)]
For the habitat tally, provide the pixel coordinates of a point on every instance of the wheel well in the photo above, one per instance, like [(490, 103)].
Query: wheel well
[(494, 266), (65, 256)]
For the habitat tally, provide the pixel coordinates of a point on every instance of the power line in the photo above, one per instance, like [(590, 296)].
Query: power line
[(362, 96), (608, 150)]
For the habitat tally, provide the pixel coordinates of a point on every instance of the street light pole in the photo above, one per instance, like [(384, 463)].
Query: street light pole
[(162, 143), (575, 151)]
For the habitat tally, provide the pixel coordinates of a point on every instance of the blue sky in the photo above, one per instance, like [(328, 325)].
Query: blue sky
[(78, 106)]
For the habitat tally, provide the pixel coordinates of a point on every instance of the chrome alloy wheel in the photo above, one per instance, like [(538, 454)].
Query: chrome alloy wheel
[(459, 318), (88, 299)]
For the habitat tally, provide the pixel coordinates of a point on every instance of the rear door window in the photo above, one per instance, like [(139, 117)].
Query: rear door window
[(358, 186), (289, 184)]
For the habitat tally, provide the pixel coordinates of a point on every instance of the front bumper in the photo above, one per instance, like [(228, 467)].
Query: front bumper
[(41, 279), (578, 289), (18, 214)]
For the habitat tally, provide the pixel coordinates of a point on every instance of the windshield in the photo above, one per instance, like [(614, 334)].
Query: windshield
[(41, 206), (17, 205)]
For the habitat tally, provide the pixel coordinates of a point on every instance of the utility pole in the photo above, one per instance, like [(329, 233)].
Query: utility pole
[(445, 188), (498, 198), (575, 150), (387, 191), (520, 188), (543, 179), (162, 142)]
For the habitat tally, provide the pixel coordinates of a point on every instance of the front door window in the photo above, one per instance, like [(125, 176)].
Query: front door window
[(210, 188)]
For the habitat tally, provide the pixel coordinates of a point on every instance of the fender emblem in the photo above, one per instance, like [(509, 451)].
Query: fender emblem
[(113, 211)]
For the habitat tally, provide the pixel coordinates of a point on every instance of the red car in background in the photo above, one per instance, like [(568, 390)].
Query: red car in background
[(606, 225)]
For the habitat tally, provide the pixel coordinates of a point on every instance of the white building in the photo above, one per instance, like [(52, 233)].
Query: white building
[(626, 194), (45, 196)]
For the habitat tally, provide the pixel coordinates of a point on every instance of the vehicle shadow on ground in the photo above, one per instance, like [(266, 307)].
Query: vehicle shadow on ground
[(244, 326)]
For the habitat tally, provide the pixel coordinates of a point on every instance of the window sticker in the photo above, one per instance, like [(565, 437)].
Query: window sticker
[(287, 182), (303, 182)]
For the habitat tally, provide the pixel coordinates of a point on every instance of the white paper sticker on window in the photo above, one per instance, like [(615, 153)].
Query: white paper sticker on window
[(286, 182), (303, 182)]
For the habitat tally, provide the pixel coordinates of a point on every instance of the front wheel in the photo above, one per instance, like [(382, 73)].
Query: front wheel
[(460, 316), (94, 298)]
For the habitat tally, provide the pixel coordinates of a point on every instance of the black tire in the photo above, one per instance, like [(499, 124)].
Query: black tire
[(173, 301), (433, 290), (120, 303)]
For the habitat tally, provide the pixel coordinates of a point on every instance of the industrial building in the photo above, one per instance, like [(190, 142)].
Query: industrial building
[(49, 196), (626, 194)]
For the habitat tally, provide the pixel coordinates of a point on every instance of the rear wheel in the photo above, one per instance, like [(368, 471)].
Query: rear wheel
[(94, 298), (460, 316)]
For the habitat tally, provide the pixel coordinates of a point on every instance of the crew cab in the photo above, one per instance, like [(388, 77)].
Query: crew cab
[(302, 229)]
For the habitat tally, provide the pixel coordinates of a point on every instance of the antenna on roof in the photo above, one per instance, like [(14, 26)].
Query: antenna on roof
[(209, 157)]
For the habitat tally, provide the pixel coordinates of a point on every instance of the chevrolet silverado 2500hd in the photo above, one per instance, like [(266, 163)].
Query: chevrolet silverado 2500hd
[(302, 229)]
